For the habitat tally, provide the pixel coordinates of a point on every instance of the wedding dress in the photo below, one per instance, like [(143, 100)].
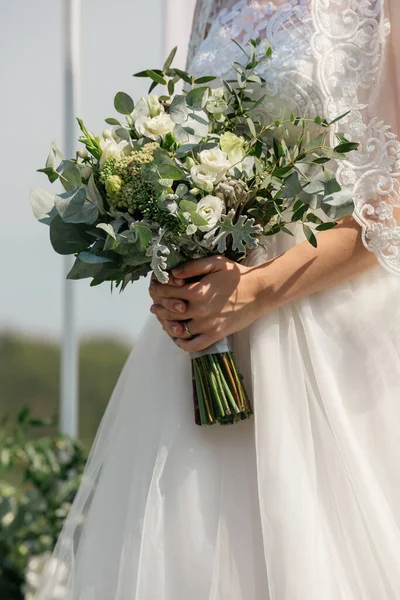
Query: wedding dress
[(303, 501)]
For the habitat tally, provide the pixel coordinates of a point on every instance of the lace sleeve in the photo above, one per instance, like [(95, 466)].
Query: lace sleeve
[(329, 57), (357, 53)]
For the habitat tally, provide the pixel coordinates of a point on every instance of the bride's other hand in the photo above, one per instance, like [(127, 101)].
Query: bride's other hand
[(224, 301)]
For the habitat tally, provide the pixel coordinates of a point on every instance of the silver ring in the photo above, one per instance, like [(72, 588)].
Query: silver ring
[(186, 327)]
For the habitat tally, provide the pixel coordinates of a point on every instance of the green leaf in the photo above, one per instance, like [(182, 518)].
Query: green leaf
[(70, 203), (123, 103), (310, 236), (42, 203), (68, 238), (183, 75), (103, 270), (166, 167), (179, 110), (326, 226), (156, 77), (188, 206), (93, 259), (70, 175), (252, 127), (171, 87), (299, 213), (198, 219), (52, 175), (93, 194), (346, 147), (74, 208), (144, 235), (242, 234), (205, 79), (112, 121), (170, 59), (339, 118), (197, 98), (292, 186), (108, 228)]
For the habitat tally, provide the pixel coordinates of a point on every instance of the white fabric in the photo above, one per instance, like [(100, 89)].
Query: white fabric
[(303, 501)]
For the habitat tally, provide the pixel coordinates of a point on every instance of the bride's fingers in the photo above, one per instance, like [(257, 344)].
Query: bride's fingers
[(172, 305), (167, 315)]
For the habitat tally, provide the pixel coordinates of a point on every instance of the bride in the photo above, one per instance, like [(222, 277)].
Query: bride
[(302, 502)]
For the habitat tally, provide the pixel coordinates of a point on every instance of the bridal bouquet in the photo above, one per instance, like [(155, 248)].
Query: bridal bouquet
[(188, 175)]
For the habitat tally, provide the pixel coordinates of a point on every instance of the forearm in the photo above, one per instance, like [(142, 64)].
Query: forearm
[(304, 270)]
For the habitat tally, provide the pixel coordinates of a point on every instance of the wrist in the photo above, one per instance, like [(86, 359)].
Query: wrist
[(265, 288)]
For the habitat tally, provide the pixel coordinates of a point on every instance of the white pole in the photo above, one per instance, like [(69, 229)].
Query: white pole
[(69, 354)]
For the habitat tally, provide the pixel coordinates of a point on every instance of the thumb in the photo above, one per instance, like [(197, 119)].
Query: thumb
[(194, 268)]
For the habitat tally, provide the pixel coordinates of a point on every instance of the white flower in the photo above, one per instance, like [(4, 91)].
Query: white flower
[(211, 209), (232, 145), (112, 149), (203, 178), (216, 162), (155, 126)]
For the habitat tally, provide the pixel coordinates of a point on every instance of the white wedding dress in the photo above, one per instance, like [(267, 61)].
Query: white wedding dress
[(303, 501)]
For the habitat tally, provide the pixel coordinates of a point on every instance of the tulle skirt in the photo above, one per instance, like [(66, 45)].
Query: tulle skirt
[(300, 503)]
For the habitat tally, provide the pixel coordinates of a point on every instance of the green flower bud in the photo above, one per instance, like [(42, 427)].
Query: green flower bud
[(113, 185), (189, 163)]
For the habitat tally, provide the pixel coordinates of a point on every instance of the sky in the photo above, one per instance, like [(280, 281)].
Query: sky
[(119, 38)]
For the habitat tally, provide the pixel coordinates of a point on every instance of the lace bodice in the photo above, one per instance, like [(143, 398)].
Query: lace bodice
[(329, 57)]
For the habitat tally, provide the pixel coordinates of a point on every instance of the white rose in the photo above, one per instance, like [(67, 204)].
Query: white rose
[(203, 178), (155, 107), (156, 126), (215, 162), (112, 149), (141, 110), (211, 209)]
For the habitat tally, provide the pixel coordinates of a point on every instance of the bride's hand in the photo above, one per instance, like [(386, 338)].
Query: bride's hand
[(224, 301)]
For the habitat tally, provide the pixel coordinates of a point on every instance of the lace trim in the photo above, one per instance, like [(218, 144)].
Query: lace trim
[(328, 58), (349, 44)]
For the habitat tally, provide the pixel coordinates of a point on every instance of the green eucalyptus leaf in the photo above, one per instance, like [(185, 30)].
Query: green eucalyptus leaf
[(112, 121), (123, 103), (70, 203), (197, 98), (102, 270), (68, 238), (179, 110), (108, 228), (93, 259), (42, 203), (52, 175), (93, 194), (70, 175)]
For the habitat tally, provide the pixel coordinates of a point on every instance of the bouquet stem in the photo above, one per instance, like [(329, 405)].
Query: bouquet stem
[(218, 390)]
